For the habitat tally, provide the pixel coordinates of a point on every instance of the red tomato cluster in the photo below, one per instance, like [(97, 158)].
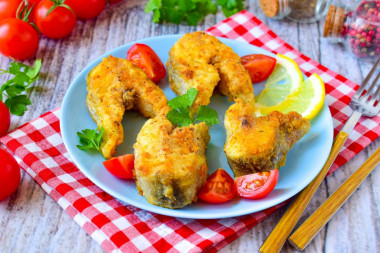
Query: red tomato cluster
[(54, 18)]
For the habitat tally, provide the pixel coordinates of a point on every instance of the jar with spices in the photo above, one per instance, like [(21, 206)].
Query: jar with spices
[(303, 11), (358, 30)]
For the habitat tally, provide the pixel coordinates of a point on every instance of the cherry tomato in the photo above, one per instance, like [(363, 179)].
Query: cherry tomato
[(121, 166), (219, 188), (18, 39), (31, 4), (5, 117), (58, 23), (145, 58), (8, 8), (9, 174), (259, 66), (86, 9), (257, 185)]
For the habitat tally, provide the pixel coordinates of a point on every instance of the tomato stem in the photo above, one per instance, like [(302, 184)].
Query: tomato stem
[(59, 3), (23, 13)]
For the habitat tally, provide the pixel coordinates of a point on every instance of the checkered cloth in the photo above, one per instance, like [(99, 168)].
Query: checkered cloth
[(116, 227)]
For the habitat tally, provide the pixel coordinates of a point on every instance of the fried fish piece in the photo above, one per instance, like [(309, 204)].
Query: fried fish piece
[(258, 144), (114, 86), (201, 61), (170, 163)]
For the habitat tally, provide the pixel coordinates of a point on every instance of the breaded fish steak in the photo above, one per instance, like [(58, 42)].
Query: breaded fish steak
[(257, 144), (114, 86), (198, 60), (170, 163)]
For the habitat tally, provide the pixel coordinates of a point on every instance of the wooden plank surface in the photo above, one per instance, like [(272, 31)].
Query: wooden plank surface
[(30, 221)]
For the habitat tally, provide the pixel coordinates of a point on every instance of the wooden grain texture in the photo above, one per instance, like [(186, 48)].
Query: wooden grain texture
[(30, 221), (306, 232), (284, 227)]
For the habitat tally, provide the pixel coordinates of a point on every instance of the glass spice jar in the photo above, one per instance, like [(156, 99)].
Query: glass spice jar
[(358, 30), (303, 11)]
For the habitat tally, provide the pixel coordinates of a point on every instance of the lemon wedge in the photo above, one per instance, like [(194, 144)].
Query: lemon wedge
[(307, 100), (285, 79)]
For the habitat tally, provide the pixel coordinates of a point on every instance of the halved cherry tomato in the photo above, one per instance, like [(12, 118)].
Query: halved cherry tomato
[(121, 166), (219, 188), (259, 66), (145, 58), (257, 185)]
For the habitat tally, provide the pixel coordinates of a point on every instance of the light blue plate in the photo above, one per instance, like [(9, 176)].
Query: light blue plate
[(304, 161)]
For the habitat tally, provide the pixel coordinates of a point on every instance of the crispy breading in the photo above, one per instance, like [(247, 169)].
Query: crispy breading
[(201, 61), (257, 144), (170, 163), (114, 86)]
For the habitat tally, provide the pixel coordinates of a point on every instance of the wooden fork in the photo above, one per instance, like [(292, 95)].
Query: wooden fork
[(363, 103)]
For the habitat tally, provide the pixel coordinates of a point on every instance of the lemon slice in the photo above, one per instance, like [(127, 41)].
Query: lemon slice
[(285, 79), (307, 100)]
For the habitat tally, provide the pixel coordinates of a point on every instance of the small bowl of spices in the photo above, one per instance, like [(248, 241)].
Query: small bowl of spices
[(302, 11), (358, 29)]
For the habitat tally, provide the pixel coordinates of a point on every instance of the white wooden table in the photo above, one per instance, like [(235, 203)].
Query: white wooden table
[(30, 221)]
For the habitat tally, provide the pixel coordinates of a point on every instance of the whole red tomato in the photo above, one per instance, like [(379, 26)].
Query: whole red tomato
[(9, 174), (18, 39), (8, 8), (5, 117), (86, 9), (58, 23)]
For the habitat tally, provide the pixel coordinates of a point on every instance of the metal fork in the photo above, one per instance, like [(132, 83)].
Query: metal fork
[(363, 103)]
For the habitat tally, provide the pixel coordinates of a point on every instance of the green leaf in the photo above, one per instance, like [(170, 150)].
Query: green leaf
[(17, 105), (35, 70), (90, 139), (152, 5), (178, 118), (186, 100), (12, 91), (193, 18), (208, 115)]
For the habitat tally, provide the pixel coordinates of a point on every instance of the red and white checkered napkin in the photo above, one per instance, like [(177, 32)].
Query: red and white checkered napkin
[(117, 227)]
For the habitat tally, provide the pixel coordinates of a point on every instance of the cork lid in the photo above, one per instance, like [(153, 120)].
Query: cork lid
[(270, 7), (334, 21)]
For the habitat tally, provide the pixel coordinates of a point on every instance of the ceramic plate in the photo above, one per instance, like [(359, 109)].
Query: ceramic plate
[(304, 160)]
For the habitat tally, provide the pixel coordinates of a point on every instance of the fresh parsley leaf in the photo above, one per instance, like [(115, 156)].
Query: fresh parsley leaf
[(90, 139), (185, 100), (181, 111), (12, 91), (190, 11), (208, 115), (17, 104)]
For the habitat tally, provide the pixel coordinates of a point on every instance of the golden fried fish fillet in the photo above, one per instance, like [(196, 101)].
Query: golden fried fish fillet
[(114, 86), (201, 61), (257, 144), (170, 163)]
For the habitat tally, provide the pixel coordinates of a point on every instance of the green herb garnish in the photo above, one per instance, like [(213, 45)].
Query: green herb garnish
[(12, 92), (182, 115), (191, 11), (90, 139)]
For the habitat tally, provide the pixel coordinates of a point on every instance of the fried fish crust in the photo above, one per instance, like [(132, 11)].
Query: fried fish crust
[(198, 60), (114, 86), (170, 163), (258, 144)]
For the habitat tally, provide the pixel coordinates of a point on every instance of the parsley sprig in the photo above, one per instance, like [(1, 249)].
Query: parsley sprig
[(182, 115), (12, 91), (191, 11), (90, 139)]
